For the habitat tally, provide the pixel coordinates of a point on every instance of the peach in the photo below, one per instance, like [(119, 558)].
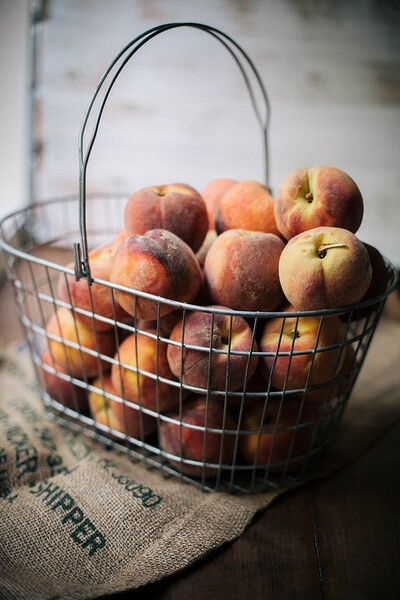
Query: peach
[(184, 442), (290, 344), (158, 263), (120, 237), (197, 369), (97, 297), (208, 240), (282, 433), (138, 351), (116, 415), (176, 207), (325, 267), (83, 361), (71, 395), (212, 193), (317, 197), (342, 384), (241, 270), (246, 205), (256, 386), (377, 286)]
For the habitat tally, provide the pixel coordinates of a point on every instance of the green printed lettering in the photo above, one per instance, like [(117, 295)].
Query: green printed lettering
[(54, 497), (138, 490), (5, 494), (131, 485), (122, 479), (96, 541), (39, 488), (84, 528), (106, 463), (27, 466), (3, 456), (75, 515), (46, 489), (16, 436), (152, 501), (26, 460), (46, 438), (77, 446), (66, 502)]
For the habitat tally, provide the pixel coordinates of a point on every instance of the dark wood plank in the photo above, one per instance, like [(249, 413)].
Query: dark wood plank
[(273, 558), (357, 524)]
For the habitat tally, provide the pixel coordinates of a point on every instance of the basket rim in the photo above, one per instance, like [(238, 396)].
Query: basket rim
[(392, 272)]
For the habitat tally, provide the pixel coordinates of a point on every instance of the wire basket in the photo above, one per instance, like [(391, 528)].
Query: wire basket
[(244, 427)]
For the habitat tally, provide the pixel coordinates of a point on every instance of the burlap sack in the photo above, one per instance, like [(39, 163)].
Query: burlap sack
[(78, 521)]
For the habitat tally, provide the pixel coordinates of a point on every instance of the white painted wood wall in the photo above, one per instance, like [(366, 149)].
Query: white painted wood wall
[(180, 111)]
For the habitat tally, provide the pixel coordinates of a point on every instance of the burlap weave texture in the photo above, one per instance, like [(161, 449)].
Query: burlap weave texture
[(80, 521)]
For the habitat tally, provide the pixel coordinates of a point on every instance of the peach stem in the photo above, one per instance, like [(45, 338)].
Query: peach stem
[(324, 247)]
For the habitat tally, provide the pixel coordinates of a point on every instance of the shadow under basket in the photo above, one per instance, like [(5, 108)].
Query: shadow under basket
[(247, 426)]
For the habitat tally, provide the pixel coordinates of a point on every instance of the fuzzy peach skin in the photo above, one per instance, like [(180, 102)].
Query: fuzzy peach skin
[(78, 294), (120, 237), (67, 393), (276, 448), (159, 263), (176, 207), (287, 335), (142, 352), (76, 362), (198, 329), (196, 444), (335, 390), (212, 193), (256, 385), (325, 267), (208, 240), (377, 286), (246, 205), (241, 270), (116, 415), (318, 197)]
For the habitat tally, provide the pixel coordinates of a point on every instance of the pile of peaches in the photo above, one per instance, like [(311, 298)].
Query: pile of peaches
[(221, 384)]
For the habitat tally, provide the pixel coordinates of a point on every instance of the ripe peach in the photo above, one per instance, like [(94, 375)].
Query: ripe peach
[(241, 270), (83, 361), (116, 415), (325, 267), (120, 237), (202, 330), (176, 207), (283, 433), (63, 391), (256, 385), (246, 205), (208, 240), (214, 447), (344, 379), (99, 297), (158, 263), (377, 286), (317, 197), (212, 193), (138, 351), (291, 349)]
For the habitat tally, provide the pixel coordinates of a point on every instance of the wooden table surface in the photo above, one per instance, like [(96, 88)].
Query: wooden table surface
[(337, 538)]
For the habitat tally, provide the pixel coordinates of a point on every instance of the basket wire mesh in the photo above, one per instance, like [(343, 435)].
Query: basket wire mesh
[(222, 449)]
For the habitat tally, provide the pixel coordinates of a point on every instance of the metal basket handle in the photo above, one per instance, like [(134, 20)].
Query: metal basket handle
[(244, 63)]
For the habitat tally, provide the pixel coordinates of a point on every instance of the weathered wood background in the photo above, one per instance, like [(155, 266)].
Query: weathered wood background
[(180, 110)]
